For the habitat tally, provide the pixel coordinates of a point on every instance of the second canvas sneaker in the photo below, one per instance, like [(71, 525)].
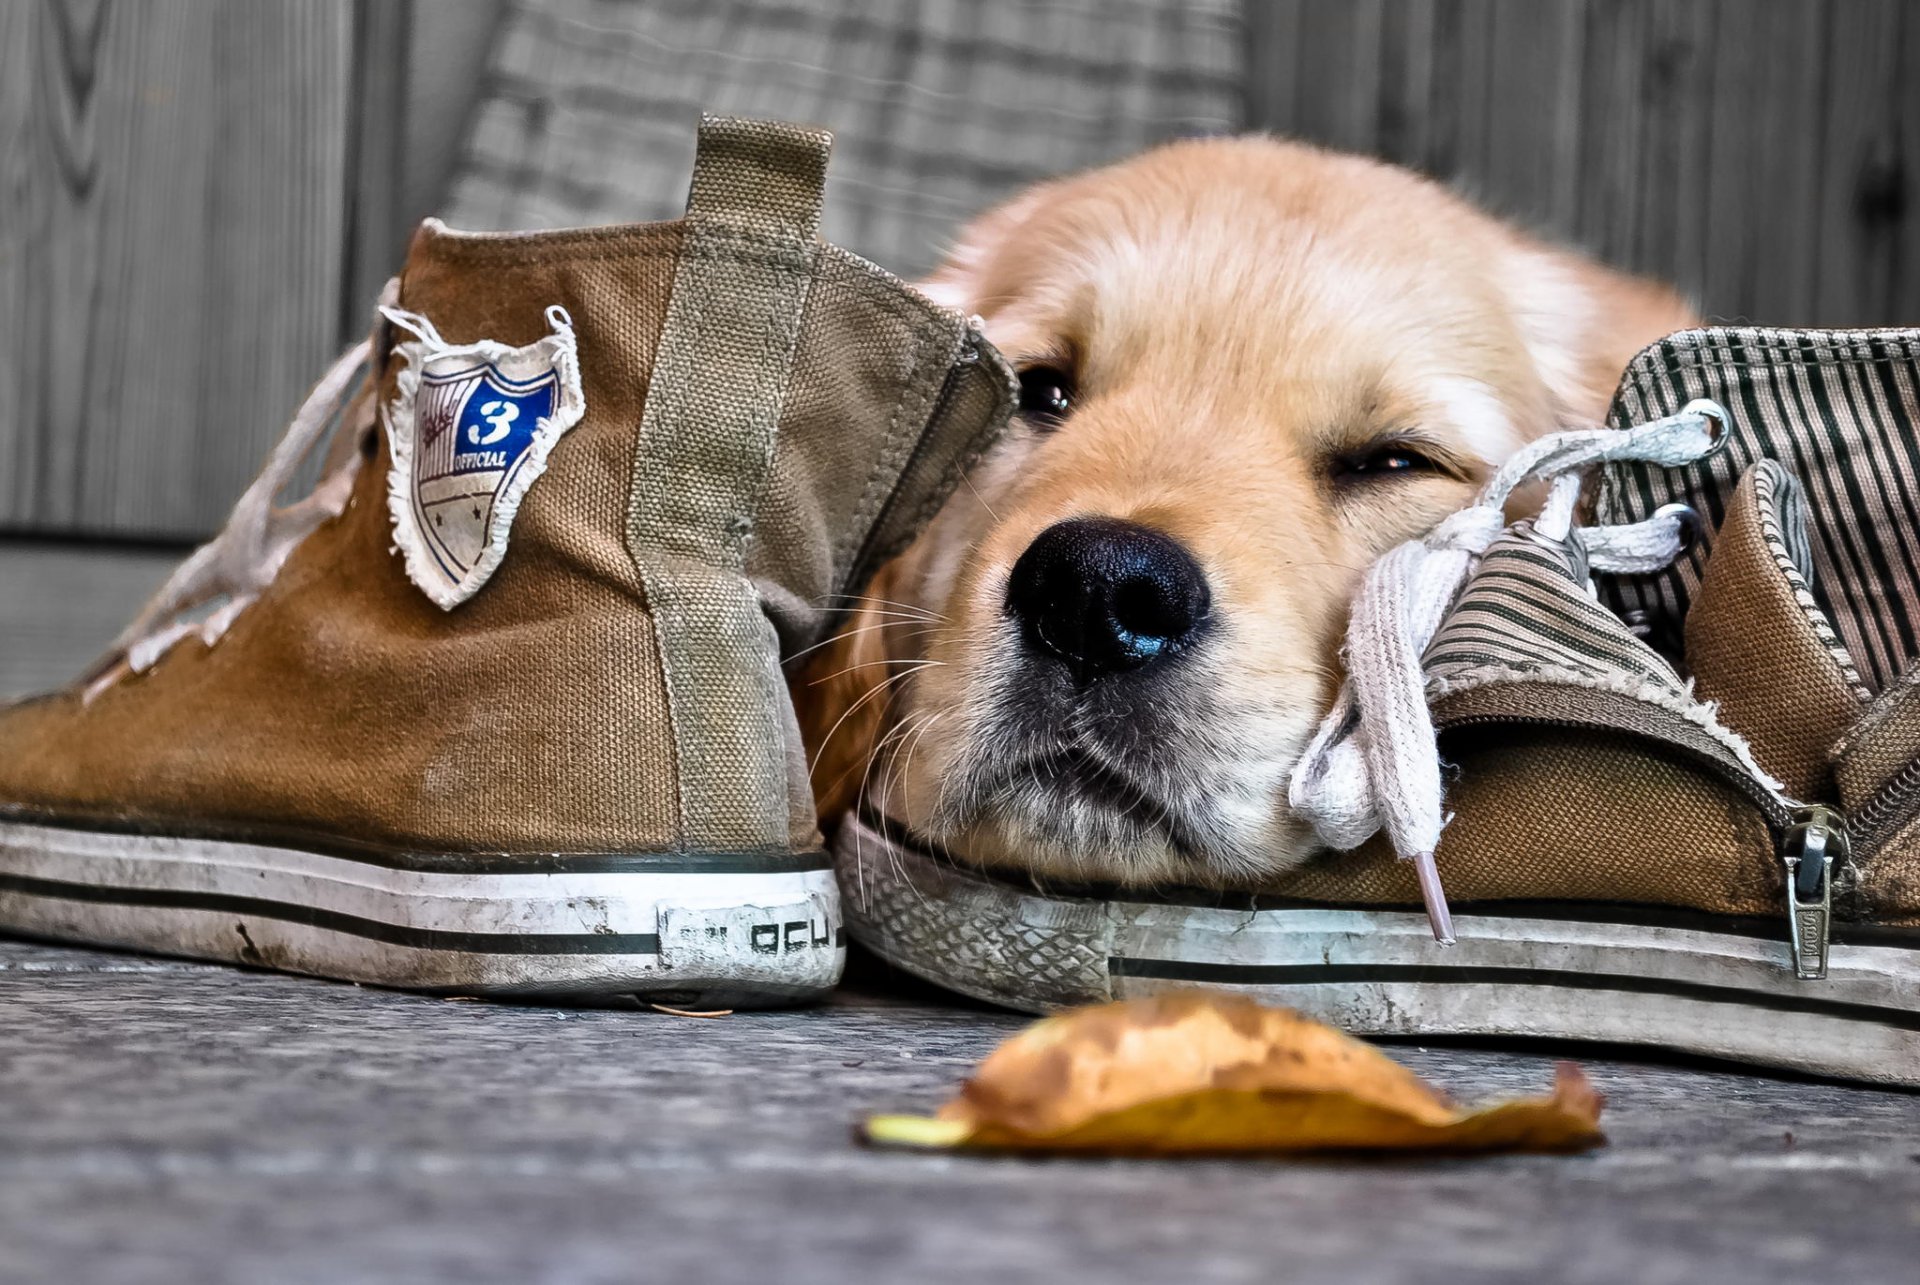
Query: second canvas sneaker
[(1677, 772)]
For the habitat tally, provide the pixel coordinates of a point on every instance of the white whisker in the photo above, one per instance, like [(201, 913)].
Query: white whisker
[(863, 629), (918, 664), (869, 602), (867, 696)]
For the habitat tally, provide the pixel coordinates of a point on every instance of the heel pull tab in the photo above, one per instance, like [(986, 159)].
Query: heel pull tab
[(768, 176)]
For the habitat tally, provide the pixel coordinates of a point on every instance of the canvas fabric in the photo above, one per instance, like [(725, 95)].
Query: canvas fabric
[(1881, 745), (1552, 814), (1876, 769), (345, 709), (1526, 614), (1578, 754), (1589, 767), (1837, 410), (1884, 880), (1758, 644), (943, 106)]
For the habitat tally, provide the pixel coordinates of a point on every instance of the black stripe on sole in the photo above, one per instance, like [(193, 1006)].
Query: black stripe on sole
[(1632, 914), (1176, 970), (493, 863), (453, 942)]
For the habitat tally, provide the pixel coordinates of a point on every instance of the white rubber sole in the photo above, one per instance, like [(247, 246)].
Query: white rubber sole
[(1724, 991), (698, 932)]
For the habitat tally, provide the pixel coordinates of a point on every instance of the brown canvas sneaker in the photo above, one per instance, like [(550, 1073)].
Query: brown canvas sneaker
[(499, 707), (1683, 812)]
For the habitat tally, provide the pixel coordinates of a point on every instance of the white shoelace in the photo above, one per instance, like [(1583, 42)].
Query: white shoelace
[(229, 572), (1374, 762)]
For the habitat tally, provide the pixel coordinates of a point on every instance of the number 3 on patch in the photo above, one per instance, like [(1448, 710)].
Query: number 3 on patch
[(500, 417)]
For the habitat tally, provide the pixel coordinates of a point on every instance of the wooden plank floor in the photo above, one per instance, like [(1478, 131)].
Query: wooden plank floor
[(171, 1121)]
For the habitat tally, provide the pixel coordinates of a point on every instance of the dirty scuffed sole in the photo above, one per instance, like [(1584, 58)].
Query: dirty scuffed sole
[(1620, 975), (701, 932)]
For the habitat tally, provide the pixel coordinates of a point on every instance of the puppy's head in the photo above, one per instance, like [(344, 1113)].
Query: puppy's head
[(1249, 368)]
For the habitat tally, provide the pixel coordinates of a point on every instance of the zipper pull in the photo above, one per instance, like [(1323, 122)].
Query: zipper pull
[(1817, 838)]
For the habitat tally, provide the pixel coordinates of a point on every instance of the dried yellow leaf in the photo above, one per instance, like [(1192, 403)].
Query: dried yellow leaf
[(1199, 1073)]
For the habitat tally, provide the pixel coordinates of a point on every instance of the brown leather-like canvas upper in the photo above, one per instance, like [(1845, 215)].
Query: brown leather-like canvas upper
[(345, 708)]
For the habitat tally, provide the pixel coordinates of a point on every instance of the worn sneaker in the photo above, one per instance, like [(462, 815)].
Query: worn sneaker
[(1683, 811), (499, 707)]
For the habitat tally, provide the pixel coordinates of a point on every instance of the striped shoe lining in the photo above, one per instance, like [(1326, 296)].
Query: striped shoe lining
[(1838, 410), (1526, 611)]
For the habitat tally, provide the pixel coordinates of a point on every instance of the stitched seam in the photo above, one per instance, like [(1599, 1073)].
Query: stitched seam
[(589, 242), (1765, 482), (1702, 714), (929, 504), (796, 283), (892, 462), (675, 579), (1896, 698), (1902, 346)]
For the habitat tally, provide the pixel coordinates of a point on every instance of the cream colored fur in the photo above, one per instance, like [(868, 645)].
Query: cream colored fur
[(1238, 314)]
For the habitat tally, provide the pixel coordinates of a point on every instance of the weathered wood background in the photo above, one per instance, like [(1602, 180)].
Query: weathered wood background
[(198, 199), (1762, 153), (198, 202)]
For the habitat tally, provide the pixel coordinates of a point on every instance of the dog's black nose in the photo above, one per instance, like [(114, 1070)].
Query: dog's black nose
[(1105, 595)]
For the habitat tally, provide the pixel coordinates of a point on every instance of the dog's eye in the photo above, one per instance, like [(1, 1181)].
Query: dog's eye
[(1382, 462), (1046, 394)]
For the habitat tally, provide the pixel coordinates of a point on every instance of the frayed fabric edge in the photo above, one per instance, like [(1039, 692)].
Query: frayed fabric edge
[(560, 350), (1647, 691)]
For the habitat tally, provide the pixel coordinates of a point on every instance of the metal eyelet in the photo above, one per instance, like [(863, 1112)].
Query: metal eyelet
[(1716, 416), (1690, 524)]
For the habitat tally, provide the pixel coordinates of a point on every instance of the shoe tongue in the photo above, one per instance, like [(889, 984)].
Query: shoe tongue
[(1759, 644)]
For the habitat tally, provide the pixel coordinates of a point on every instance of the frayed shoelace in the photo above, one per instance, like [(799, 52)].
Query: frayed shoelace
[(224, 576), (1374, 762)]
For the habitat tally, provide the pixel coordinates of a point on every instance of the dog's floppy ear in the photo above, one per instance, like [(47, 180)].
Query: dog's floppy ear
[(842, 713), (1583, 323)]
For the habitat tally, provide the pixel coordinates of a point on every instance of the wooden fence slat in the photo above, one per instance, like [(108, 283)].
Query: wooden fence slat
[(1407, 88), (1529, 158), (1870, 157), (1463, 93), (1337, 71), (1764, 155), (1273, 43), (1901, 190), (172, 233), (378, 222), (1611, 150), (1764, 167), (1675, 218), (22, 390)]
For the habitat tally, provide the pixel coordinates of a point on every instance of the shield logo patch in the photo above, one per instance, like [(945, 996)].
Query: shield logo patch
[(470, 430)]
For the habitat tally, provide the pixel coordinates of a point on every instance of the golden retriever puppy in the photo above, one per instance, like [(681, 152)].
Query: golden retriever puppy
[(1248, 368)]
